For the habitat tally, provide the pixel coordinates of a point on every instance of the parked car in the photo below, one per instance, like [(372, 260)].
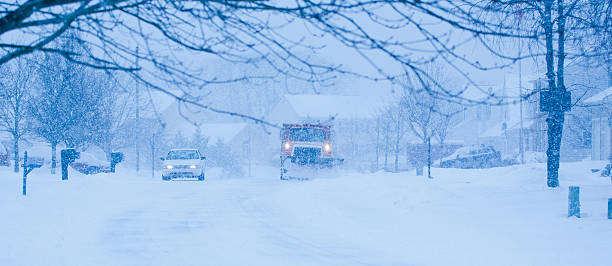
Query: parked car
[(88, 164), (183, 163), (475, 156)]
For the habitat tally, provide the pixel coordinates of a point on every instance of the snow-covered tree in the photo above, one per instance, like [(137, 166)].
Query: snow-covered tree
[(48, 105), (392, 126), (116, 111), (427, 116), (66, 104), (16, 82), (558, 31)]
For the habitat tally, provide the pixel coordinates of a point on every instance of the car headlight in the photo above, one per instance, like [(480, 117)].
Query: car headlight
[(327, 147), (194, 166), (168, 166)]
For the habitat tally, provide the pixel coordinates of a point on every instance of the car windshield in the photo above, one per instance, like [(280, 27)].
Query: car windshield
[(182, 155), (307, 134)]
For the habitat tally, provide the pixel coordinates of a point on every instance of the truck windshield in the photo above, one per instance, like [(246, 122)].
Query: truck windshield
[(182, 155), (307, 134)]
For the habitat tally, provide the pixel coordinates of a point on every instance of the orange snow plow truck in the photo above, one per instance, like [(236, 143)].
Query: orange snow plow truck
[(306, 148)]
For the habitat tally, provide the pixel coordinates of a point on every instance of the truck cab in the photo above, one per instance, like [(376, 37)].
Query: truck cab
[(307, 144)]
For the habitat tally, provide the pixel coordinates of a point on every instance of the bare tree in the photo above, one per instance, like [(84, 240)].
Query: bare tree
[(48, 105), (426, 115), (392, 127), (66, 104), (116, 110), (16, 81), (563, 30), (249, 32), (83, 113), (168, 34), (384, 131)]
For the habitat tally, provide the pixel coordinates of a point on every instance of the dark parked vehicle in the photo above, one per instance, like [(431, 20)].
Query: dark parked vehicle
[(88, 164), (475, 156)]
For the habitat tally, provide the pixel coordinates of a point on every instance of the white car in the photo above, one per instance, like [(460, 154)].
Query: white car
[(183, 163)]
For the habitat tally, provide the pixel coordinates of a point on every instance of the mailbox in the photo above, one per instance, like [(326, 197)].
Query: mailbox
[(70, 155), (551, 101), (116, 157)]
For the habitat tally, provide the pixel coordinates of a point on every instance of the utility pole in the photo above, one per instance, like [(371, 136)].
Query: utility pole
[(137, 120), (521, 148), (249, 152), (520, 76)]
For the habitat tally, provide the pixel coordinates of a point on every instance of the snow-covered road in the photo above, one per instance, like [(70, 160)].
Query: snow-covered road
[(501, 216)]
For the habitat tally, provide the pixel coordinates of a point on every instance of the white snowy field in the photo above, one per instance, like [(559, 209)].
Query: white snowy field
[(500, 216)]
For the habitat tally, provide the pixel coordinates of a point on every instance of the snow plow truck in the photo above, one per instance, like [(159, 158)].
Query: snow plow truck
[(306, 149)]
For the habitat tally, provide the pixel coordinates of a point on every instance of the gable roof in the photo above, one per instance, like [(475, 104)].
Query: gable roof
[(223, 132), (325, 106), (215, 132), (599, 97)]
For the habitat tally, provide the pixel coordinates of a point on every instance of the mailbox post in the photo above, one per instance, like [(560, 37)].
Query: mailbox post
[(27, 168), (116, 157), (68, 156), (574, 202)]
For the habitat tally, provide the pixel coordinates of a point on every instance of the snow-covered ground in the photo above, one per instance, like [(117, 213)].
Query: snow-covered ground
[(500, 216)]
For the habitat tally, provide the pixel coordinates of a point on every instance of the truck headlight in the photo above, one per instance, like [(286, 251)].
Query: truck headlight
[(194, 166), (287, 145), (168, 166), (327, 147)]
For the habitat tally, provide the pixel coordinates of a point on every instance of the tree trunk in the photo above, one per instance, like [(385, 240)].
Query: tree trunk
[(396, 162), (429, 157), (377, 143), (556, 116), (610, 72), (555, 131), (53, 157), (386, 150), (108, 150), (397, 144), (16, 153), (408, 149)]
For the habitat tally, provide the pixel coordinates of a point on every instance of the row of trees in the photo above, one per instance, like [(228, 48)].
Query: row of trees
[(414, 120), (49, 98)]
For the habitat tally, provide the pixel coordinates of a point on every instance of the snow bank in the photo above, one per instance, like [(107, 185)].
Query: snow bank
[(497, 216)]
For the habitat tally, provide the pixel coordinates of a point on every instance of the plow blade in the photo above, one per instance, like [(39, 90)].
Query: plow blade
[(292, 169)]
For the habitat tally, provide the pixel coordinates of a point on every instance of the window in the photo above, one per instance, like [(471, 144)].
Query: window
[(183, 155), (307, 134)]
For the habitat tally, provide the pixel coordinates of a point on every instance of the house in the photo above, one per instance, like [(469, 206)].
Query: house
[(183, 125), (601, 113), (500, 125)]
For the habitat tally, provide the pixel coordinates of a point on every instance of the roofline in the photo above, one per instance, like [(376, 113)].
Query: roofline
[(590, 100)]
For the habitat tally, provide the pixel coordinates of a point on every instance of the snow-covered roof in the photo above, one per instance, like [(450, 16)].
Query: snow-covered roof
[(324, 106), (497, 130), (527, 123), (599, 97), (215, 132), (157, 100), (494, 131), (223, 132)]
